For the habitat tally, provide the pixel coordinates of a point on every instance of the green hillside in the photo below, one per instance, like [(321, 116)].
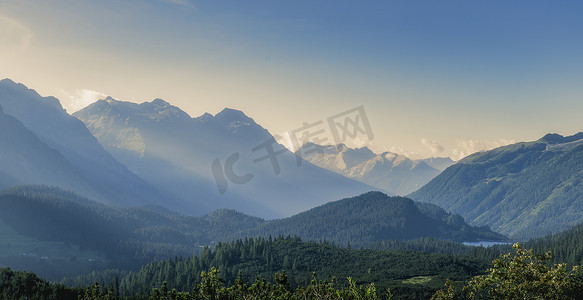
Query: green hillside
[(523, 190), (372, 217)]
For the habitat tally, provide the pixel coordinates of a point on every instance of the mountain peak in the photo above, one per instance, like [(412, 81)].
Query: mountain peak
[(110, 99), (8, 81), (232, 114), (161, 110), (160, 102), (157, 110), (205, 117), (15, 85), (554, 138), (12, 86), (234, 118)]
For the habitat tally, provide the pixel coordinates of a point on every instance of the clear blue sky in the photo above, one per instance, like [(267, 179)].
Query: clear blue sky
[(437, 78)]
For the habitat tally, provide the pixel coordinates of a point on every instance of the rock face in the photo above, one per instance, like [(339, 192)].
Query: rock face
[(522, 190), (212, 162), (391, 172)]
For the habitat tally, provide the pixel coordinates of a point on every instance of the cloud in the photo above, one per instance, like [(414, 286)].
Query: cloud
[(467, 147), (402, 151), (359, 142), (433, 146), (80, 99), (13, 34)]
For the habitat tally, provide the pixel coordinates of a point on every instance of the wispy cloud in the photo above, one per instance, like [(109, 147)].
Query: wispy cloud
[(433, 146), (13, 34), (467, 147), (184, 3), (402, 151), (80, 99)]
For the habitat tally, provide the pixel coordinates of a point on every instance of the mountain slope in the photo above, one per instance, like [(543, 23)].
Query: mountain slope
[(394, 173), (188, 157), (522, 190), (26, 159), (110, 181), (373, 217)]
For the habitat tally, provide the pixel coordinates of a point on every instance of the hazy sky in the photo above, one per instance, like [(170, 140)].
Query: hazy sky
[(436, 78)]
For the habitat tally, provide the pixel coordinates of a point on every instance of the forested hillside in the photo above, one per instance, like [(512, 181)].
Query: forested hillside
[(118, 237), (566, 246), (409, 274), (523, 190), (371, 217), (89, 235)]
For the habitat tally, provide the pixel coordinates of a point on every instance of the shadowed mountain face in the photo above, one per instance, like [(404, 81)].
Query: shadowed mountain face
[(212, 162), (391, 172), (24, 159), (522, 190), (57, 149), (373, 217)]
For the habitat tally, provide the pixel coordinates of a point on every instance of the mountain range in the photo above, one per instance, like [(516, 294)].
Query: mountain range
[(393, 173), (154, 154), (189, 158), (522, 190), (118, 185)]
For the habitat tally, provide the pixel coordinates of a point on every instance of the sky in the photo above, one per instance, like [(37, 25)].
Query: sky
[(436, 78)]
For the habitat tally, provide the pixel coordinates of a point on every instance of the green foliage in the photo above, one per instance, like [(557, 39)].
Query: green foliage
[(427, 245), (95, 292), (521, 275), (24, 285), (565, 246), (212, 287), (246, 260)]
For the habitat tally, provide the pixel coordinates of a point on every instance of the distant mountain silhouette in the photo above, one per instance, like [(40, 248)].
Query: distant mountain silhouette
[(95, 173), (391, 172), (24, 159), (184, 156)]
